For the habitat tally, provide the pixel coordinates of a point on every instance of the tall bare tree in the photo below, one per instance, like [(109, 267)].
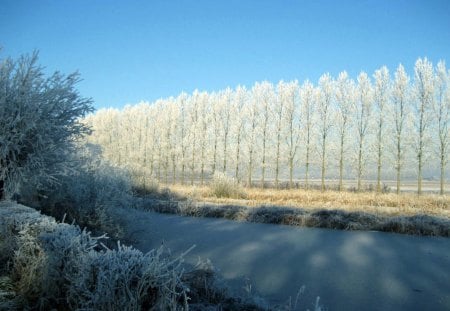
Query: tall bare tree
[(307, 103), (193, 131), (203, 129), (264, 92), (289, 93), (381, 97), (238, 105), (215, 110), (345, 100), (183, 131), (325, 95), (225, 103), (278, 111), (441, 111), (363, 106), (252, 112), (400, 114), (424, 92)]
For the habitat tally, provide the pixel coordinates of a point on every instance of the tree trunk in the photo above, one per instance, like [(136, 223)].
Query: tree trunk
[(166, 169), (238, 147), (250, 168), (183, 169), (193, 162), (183, 165), (398, 168), (420, 159), (291, 172), (152, 160), (419, 174), (307, 169), (359, 166), (214, 155), (308, 140), (323, 163), (420, 151), (341, 164), (441, 191), (379, 175), (174, 169), (159, 165), (379, 157), (277, 164), (225, 142), (203, 164), (263, 172)]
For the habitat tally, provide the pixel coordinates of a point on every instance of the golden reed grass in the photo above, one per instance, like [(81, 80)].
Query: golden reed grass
[(383, 204)]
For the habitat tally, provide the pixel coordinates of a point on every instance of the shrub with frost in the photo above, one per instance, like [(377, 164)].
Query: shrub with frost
[(57, 265), (89, 195), (39, 123), (223, 186)]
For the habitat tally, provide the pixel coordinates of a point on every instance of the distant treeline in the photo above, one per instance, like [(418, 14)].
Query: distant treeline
[(340, 128)]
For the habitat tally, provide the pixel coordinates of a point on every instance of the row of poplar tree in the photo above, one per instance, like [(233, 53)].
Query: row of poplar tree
[(385, 126)]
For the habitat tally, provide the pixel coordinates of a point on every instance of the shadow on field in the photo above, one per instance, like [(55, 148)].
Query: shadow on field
[(348, 270), (294, 216)]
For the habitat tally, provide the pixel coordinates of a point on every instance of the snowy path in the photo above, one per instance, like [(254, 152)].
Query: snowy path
[(349, 270)]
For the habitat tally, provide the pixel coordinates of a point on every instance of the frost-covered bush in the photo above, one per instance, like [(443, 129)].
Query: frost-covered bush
[(223, 186), (127, 279), (65, 246), (61, 266), (90, 194), (39, 123), (26, 263)]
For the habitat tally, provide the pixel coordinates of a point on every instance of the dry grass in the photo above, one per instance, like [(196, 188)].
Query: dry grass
[(383, 204), (405, 213)]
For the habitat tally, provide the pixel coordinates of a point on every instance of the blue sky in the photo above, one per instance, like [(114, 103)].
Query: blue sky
[(127, 51)]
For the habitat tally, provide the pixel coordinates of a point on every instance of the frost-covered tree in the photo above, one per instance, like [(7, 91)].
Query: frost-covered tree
[(132, 140), (325, 113), (289, 94), (239, 102), (267, 132), (105, 130), (265, 95), (215, 111), (399, 114), (345, 100), (225, 109), (441, 109), (158, 143), (278, 111), (203, 128), (193, 131), (307, 108), (252, 112), (183, 132), (174, 139), (169, 125), (424, 93), (381, 97), (39, 122), (363, 107)]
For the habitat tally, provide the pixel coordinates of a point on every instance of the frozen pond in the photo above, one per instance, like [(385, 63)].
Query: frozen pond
[(349, 270)]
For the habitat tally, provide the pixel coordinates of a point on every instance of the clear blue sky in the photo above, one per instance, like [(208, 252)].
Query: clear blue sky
[(127, 51)]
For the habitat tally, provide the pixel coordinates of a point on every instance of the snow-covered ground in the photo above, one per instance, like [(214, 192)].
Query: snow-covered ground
[(349, 270)]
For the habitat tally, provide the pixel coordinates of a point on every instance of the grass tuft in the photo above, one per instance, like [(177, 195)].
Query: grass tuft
[(223, 186)]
